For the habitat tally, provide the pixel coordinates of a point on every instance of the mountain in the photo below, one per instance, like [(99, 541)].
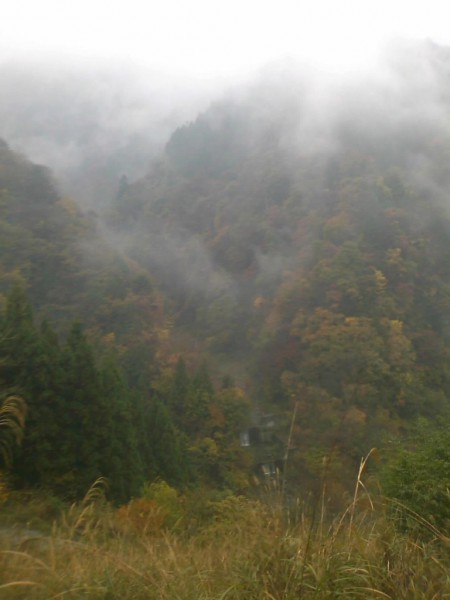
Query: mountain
[(91, 355), (301, 228), (296, 237), (92, 123), (57, 252)]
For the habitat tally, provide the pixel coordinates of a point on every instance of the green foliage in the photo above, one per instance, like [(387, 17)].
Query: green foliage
[(83, 421), (121, 461), (206, 436), (318, 278), (417, 476), (167, 444), (167, 498)]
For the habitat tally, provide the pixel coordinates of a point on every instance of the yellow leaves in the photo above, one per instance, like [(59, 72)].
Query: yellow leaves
[(356, 322), (164, 330), (163, 333), (210, 447), (240, 395), (69, 206), (380, 282), (396, 261), (207, 450), (400, 349), (109, 339)]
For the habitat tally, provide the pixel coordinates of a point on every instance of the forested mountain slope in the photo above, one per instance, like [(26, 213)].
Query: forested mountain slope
[(69, 269), (113, 400), (296, 236), (91, 123), (301, 228), (83, 421)]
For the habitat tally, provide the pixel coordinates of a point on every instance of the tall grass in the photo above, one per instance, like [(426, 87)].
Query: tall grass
[(13, 411), (244, 550)]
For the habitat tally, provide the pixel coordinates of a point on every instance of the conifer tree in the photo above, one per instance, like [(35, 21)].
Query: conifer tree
[(166, 444), (40, 460), (86, 424), (120, 460), (198, 401), (179, 391)]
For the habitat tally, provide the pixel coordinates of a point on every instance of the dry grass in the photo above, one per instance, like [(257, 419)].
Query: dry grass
[(245, 552), (13, 412)]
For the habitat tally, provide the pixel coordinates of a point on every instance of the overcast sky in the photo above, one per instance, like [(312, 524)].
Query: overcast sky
[(211, 39)]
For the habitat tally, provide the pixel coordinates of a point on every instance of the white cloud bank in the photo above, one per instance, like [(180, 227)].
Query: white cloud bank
[(210, 39)]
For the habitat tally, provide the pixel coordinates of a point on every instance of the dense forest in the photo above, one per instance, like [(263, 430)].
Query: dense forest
[(274, 292)]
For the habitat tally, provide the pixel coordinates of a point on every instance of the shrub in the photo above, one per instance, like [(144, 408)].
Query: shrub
[(140, 517), (418, 476), (167, 498)]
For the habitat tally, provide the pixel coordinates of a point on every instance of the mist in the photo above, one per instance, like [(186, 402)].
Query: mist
[(203, 161), (286, 141), (289, 227), (92, 122)]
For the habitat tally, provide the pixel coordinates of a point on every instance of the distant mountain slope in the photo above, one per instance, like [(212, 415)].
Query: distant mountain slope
[(296, 235), (109, 396), (91, 123), (302, 229), (69, 269)]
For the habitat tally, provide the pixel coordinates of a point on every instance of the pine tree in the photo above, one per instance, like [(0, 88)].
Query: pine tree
[(167, 445), (86, 426), (199, 398), (120, 460), (40, 461), (178, 393)]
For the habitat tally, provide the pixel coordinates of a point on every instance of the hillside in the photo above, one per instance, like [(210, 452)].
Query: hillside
[(91, 123), (59, 254), (288, 254), (301, 229), (88, 347)]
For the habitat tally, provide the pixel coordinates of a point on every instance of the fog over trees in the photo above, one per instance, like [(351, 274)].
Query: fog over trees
[(279, 247), (92, 122)]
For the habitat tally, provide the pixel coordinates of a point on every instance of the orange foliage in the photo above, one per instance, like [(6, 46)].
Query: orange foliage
[(140, 517)]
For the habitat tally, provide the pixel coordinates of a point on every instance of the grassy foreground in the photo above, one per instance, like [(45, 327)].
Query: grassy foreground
[(243, 549)]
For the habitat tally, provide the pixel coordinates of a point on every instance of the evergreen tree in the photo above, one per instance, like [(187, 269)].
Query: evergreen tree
[(178, 393), (86, 426), (120, 459), (198, 401), (83, 422), (167, 445), (40, 460)]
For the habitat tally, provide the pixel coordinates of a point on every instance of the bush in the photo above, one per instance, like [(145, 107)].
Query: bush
[(140, 517), (418, 476), (167, 498)]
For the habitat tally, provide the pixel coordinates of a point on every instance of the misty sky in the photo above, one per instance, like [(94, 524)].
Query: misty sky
[(205, 38)]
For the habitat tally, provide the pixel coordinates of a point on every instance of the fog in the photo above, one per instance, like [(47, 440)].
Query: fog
[(94, 120), (276, 137), (201, 155), (92, 123)]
